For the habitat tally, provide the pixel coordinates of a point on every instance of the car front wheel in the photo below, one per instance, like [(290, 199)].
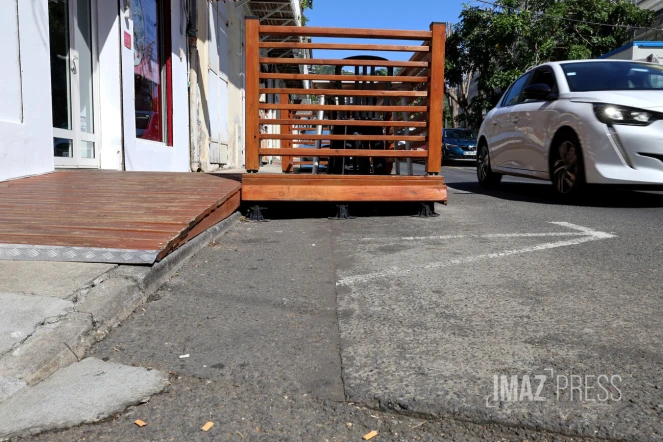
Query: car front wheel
[(568, 172), (487, 178)]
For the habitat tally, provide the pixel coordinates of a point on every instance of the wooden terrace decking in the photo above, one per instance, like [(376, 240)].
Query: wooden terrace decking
[(105, 216)]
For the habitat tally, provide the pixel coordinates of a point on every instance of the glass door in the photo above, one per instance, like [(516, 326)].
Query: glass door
[(73, 83)]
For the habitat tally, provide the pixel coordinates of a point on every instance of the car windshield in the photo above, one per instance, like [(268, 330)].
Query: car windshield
[(459, 134), (613, 76)]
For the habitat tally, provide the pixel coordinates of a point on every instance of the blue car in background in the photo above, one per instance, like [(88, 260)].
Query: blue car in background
[(459, 144)]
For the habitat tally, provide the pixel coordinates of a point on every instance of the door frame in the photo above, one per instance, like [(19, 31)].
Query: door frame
[(75, 134)]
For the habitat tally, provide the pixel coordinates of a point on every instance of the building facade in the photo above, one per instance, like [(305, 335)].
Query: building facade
[(136, 85), (217, 70), (657, 32), (647, 44)]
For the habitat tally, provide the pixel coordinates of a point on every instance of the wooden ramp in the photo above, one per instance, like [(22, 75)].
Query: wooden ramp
[(113, 217)]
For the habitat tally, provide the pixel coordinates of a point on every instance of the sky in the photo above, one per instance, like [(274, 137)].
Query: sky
[(416, 15)]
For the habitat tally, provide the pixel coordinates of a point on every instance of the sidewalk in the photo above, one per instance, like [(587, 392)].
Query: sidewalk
[(53, 312)]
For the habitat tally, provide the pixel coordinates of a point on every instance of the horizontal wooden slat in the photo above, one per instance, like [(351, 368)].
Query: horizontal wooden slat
[(270, 179), (307, 137), (416, 57), (361, 123), (319, 107), (384, 34), (336, 62), (303, 152), (342, 46), (345, 93), (330, 77)]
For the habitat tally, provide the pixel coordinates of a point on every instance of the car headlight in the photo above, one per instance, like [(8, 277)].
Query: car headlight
[(452, 146), (613, 114)]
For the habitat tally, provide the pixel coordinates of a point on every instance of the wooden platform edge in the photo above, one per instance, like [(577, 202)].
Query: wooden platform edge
[(337, 188), (224, 208)]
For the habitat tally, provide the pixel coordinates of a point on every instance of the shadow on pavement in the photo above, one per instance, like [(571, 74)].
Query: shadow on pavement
[(282, 210), (543, 193)]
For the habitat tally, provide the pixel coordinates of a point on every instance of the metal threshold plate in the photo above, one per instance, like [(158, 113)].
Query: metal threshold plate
[(23, 252)]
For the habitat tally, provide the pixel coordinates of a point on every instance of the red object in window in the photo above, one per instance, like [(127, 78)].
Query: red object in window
[(169, 71), (127, 40), (153, 129), (153, 70)]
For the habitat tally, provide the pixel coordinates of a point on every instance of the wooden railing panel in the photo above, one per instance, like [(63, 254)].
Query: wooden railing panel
[(408, 104)]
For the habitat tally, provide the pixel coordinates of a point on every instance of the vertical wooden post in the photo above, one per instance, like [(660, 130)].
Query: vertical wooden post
[(436, 98), (252, 117), (286, 129)]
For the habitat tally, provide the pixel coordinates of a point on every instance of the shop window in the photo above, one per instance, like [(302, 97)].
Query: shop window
[(152, 69)]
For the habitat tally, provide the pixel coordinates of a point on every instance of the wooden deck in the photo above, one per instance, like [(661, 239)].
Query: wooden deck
[(103, 216), (342, 188)]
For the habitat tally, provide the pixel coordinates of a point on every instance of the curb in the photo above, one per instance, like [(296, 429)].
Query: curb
[(111, 299)]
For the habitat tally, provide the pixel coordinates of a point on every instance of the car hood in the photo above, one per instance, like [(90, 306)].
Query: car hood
[(650, 100), (461, 143)]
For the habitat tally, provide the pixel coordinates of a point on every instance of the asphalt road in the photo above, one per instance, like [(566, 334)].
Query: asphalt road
[(305, 328)]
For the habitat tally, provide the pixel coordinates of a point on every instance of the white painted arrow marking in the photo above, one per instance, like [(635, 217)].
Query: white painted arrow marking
[(484, 235), (586, 235)]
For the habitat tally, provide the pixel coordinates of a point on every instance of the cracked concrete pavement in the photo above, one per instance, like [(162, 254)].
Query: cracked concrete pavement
[(293, 329), (54, 312), (86, 391)]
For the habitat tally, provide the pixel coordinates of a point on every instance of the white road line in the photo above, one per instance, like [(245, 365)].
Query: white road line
[(586, 230), (486, 235), (587, 236)]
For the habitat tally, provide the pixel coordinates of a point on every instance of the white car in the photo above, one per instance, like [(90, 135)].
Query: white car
[(576, 123)]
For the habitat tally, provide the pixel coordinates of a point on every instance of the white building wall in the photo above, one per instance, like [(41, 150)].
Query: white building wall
[(110, 90), (236, 87), (221, 85), (180, 157), (626, 54), (638, 51), (642, 53), (25, 88)]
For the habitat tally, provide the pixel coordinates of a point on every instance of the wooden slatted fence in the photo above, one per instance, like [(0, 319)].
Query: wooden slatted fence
[(398, 112)]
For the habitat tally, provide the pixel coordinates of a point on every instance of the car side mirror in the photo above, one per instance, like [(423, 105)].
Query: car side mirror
[(539, 91)]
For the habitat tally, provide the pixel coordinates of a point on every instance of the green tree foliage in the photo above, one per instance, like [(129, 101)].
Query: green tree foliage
[(305, 4), (499, 41)]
